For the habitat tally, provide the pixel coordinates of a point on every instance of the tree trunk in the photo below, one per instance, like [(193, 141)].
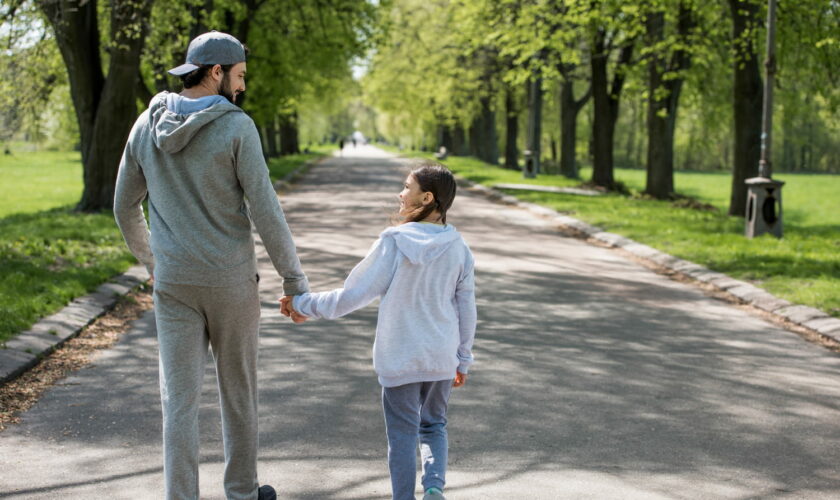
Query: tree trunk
[(535, 99), (484, 141), (105, 107), (511, 130), (602, 151), (270, 131), (569, 111), (289, 144), (606, 99), (445, 137), (747, 102), (459, 141), (664, 95)]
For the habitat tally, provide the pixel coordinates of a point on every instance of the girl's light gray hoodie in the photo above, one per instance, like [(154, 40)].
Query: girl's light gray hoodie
[(198, 160), (424, 274)]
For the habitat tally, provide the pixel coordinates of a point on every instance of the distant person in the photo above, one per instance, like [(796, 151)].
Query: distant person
[(198, 157), (423, 271), (354, 142), (340, 147)]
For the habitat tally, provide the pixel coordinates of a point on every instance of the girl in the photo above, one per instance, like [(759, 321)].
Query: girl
[(423, 271)]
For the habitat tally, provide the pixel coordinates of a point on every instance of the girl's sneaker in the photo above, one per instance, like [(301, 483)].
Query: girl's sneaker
[(433, 494)]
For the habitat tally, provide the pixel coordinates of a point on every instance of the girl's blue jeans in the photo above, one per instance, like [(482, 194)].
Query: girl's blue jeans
[(416, 412)]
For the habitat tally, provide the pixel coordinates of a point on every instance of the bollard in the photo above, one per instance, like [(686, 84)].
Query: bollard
[(764, 207)]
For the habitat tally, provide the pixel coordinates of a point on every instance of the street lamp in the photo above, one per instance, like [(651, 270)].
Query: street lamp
[(764, 195)]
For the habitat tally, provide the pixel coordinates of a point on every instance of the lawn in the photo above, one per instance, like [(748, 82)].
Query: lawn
[(803, 267), (49, 254)]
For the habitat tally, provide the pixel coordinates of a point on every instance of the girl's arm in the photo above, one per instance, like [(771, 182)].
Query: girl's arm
[(368, 280), (467, 314)]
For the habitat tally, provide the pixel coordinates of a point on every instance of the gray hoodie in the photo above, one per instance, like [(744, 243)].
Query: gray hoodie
[(427, 317), (198, 169)]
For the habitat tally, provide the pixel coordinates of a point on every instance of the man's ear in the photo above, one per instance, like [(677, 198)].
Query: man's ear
[(217, 72)]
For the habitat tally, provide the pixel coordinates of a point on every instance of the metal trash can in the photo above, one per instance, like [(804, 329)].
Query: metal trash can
[(764, 207), (530, 169)]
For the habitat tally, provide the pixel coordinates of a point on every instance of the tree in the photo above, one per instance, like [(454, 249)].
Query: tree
[(103, 101), (747, 93), (668, 58), (611, 28)]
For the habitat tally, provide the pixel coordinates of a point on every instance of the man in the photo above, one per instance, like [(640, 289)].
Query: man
[(198, 157)]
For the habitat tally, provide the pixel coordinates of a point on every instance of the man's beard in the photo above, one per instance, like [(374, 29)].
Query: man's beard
[(225, 90)]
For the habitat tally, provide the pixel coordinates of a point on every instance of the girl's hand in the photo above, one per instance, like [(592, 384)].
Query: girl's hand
[(460, 379)]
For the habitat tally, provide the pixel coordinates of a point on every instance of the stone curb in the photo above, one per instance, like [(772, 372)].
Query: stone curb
[(28, 347), (744, 292)]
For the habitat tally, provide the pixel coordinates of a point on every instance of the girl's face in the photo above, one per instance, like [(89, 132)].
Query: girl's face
[(411, 197)]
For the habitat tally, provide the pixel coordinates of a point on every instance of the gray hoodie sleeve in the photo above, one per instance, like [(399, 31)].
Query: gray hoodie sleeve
[(467, 314), (367, 281), (128, 208), (266, 212)]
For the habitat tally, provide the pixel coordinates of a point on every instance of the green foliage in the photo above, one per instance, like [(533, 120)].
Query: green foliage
[(32, 73)]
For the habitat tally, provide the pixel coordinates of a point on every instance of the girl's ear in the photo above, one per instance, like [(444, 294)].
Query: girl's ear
[(428, 198)]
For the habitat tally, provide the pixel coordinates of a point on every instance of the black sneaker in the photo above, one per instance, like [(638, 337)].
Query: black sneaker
[(266, 492)]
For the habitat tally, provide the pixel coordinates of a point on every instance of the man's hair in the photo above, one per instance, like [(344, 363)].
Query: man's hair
[(195, 77)]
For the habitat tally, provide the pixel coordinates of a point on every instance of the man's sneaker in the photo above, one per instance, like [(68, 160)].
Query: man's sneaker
[(433, 494), (266, 492)]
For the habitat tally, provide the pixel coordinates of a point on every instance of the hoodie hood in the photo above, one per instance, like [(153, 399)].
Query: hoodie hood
[(172, 132), (422, 243)]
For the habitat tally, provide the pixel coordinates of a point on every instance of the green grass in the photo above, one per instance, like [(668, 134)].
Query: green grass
[(50, 257), (803, 267), (39, 181), (284, 165), (49, 254)]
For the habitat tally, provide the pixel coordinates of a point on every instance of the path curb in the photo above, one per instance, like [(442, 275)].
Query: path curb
[(746, 293), (28, 347)]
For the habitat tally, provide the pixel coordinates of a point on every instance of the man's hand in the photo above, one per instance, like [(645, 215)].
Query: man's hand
[(460, 379), (286, 305), (287, 310)]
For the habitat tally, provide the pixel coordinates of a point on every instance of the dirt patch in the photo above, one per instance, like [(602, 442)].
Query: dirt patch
[(23, 392)]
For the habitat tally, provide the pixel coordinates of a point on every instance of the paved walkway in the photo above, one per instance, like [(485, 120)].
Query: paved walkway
[(595, 378)]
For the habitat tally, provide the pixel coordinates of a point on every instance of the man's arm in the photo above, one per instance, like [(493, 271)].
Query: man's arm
[(128, 208), (266, 212)]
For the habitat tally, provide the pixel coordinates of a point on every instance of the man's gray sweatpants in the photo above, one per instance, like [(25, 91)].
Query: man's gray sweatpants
[(189, 318)]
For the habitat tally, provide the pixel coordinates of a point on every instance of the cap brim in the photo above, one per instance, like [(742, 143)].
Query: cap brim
[(183, 69)]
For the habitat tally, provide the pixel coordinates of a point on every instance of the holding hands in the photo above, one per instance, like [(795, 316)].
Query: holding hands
[(287, 310)]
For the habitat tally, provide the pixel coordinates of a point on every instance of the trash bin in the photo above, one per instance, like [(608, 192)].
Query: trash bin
[(530, 170), (764, 207)]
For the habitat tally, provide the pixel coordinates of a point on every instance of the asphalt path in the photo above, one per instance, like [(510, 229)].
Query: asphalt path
[(595, 378)]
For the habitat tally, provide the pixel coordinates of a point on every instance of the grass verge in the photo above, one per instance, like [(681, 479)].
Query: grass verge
[(50, 254), (803, 267)]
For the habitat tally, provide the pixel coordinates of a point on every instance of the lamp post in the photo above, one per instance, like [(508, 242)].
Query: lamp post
[(764, 195)]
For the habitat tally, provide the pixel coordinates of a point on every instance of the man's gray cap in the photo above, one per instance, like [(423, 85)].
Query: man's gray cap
[(213, 47)]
